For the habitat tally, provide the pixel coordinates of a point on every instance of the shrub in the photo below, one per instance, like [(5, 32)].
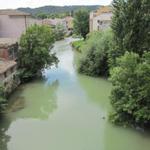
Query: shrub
[(2, 100), (78, 45), (130, 96), (95, 54), (59, 32)]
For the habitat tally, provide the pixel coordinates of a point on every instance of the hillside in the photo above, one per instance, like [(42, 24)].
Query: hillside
[(56, 9)]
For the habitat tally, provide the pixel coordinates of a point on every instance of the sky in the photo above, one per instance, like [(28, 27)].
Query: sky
[(37, 3)]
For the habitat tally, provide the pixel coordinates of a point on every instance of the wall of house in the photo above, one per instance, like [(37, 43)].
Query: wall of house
[(4, 53), (100, 22), (9, 80), (14, 26)]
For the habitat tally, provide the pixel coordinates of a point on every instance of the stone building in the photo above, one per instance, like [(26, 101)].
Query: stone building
[(54, 22), (66, 22), (8, 75), (8, 66), (101, 18), (8, 48), (69, 22)]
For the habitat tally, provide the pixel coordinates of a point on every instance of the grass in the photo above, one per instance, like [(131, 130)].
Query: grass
[(77, 45)]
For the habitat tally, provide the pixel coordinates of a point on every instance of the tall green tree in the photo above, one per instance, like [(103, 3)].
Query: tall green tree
[(95, 50), (131, 26), (35, 53), (130, 96), (81, 23), (41, 15), (60, 32)]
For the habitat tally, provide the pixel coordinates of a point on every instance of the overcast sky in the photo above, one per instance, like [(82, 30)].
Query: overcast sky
[(36, 3)]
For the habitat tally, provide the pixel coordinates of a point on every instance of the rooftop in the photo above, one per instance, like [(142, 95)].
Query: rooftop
[(13, 12), (5, 65)]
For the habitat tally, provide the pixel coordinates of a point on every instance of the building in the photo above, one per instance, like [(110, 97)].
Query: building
[(8, 75), (54, 22), (8, 48), (8, 65), (13, 23), (69, 22), (101, 18)]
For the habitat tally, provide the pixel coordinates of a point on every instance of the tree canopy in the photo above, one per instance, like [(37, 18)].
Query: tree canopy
[(34, 53), (59, 31), (81, 23), (131, 90), (130, 96), (130, 24), (95, 50)]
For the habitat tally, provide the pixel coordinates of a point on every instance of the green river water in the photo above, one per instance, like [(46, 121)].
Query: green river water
[(65, 111)]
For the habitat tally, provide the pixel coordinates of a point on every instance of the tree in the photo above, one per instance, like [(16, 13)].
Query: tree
[(130, 96), (130, 25), (41, 15), (34, 53), (59, 32), (81, 23), (95, 52)]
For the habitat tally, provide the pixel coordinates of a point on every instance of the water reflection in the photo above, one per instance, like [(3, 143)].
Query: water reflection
[(35, 100), (4, 125)]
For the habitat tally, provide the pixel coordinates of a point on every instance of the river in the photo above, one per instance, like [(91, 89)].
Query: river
[(65, 111)]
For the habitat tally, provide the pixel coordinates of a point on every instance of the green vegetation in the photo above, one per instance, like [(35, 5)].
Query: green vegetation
[(59, 32), (95, 52), (131, 90), (78, 45), (41, 16), (2, 100), (131, 93), (130, 25), (124, 51), (57, 10), (81, 23), (52, 15), (34, 53)]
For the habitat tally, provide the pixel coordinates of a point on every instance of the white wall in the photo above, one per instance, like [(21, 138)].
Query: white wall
[(101, 22)]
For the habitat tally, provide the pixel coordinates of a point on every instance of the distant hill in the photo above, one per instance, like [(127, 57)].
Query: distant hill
[(56, 9)]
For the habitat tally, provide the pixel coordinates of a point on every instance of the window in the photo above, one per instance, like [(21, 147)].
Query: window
[(99, 22)]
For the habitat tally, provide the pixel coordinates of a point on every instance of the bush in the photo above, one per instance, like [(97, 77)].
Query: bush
[(95, 54), (59, 32), (78, 45), (130, 96), (34, 54), (2, 100)]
